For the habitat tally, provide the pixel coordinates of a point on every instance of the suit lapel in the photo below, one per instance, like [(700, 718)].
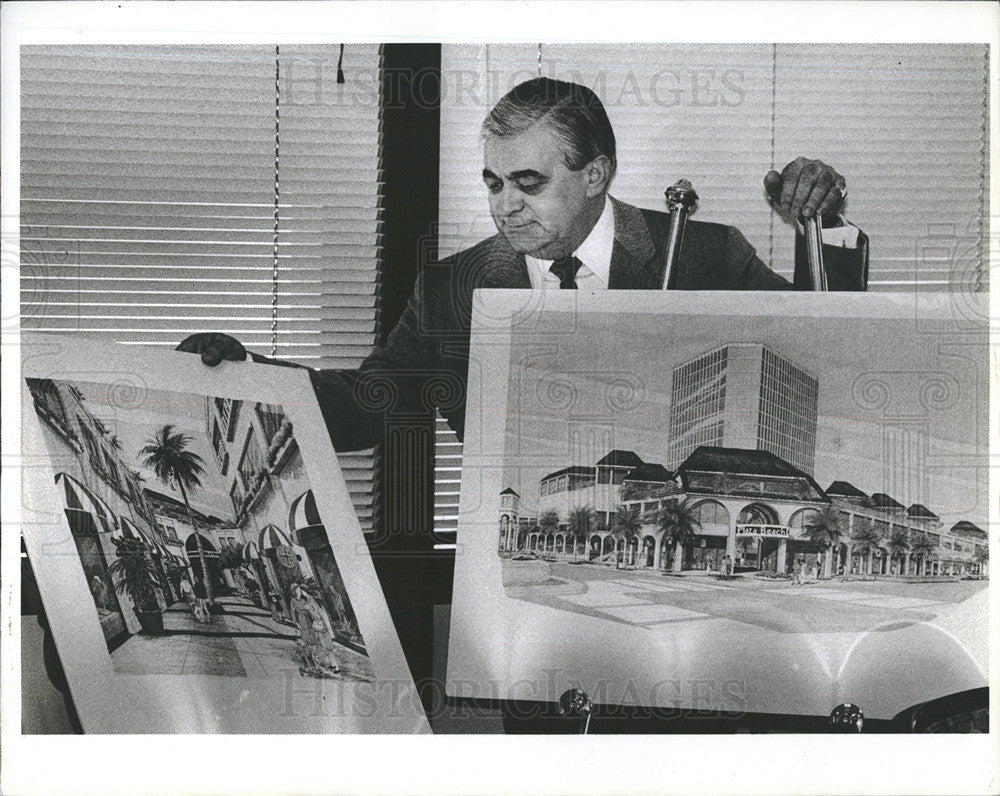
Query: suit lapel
[(503, 267), (634, 265)]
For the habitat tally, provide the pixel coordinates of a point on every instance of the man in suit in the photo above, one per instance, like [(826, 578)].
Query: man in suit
[(549, 160)]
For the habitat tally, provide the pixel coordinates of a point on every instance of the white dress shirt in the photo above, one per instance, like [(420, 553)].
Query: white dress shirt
[(594, 253)]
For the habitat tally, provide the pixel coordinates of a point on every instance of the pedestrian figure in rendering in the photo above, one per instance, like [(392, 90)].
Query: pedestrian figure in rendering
[(315, 643), (253, 589), (797, 572), (201, 613), (99, 589), (187, 594), (727, 565), (278, 603)]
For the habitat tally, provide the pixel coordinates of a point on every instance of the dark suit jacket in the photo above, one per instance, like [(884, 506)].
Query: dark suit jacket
[(424, 363)]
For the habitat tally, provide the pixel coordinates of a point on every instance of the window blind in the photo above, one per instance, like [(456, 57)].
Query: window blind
[(330, 220), (906, 124), (447, 481), (171, 190)]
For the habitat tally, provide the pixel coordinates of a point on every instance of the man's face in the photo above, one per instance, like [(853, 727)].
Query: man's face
[(537, 203)]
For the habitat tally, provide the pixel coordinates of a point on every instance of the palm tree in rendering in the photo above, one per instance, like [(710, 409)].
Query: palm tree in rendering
[(922, 548), (899, 544), (548, 523), (167, 455), (625, 522), (824, 529), (678, 519), (866, 540), (580, 525)]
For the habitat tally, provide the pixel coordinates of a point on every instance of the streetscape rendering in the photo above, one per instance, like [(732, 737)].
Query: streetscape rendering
[(224, 568), (733, 503), (740, 495)]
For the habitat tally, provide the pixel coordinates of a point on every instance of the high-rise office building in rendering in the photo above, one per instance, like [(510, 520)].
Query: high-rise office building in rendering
[(744, 395)]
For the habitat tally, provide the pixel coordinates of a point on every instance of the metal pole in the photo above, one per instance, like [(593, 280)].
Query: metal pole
[(814, 253), (681, 198)]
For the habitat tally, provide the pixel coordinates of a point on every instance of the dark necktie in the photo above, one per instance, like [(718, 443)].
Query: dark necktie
[(566, 268)]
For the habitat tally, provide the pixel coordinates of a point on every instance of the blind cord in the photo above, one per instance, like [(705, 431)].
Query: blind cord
[(774, 116), (277, 194)]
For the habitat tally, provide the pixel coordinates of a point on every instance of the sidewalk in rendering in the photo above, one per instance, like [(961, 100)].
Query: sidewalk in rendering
[(244, 641)]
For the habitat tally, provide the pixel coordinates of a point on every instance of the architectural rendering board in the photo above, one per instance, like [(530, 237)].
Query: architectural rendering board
[(197, 553), (731, 502)]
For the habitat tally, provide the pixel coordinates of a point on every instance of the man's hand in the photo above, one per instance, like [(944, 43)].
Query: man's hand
[(214, 347), (806, 188)]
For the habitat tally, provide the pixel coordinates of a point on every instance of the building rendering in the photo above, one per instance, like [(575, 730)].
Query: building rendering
[(513, 517), (597, 486), (275, 511), (742, 450), (965, 548), (177, 525), (955, 551), (744, 395), (749, 504), (104, 501)]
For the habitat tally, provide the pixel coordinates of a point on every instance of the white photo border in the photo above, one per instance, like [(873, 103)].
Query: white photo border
[(464, 765)]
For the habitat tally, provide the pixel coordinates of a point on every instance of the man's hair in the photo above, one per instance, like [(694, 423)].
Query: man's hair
[(573, 112)]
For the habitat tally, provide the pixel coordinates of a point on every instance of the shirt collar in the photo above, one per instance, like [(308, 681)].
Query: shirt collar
[(594, 252)]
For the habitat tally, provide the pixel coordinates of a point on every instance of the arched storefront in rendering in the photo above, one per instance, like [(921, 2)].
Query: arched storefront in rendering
[(754, 551), (800, 548), (508, 531), (259, 586), (309, 533), (712, 533), (211, 558), (155, 555), (286, 563), (648, 555), (91, 520)]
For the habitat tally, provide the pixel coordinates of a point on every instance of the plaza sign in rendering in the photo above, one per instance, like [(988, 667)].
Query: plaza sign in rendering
[(762, 530)]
